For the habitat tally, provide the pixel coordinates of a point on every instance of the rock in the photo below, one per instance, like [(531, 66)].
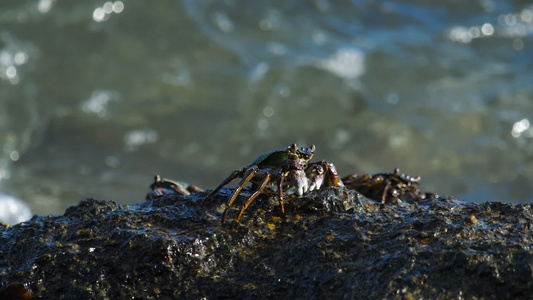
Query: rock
[(329, 244)]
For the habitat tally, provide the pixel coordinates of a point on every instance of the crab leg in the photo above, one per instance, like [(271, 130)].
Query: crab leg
[(333, 178), (228, 179), (384, 195), (250, 173), (265, 181), (280, 190)]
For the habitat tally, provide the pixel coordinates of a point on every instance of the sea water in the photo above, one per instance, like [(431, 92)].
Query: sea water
[(96, 97)]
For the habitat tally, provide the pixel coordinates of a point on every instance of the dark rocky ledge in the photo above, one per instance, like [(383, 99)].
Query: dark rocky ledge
[(329, 244)]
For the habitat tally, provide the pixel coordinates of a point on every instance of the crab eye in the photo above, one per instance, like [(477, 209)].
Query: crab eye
[(293, 148)]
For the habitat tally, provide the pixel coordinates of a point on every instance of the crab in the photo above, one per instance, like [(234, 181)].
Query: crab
[(387, 187), (286, 168), (162, 186)]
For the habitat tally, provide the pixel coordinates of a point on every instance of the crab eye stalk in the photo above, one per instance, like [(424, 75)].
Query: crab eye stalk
[(293, 148)]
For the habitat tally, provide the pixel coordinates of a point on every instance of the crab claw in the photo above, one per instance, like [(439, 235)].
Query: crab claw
[(299, 180), (316, 182), (316, 175)]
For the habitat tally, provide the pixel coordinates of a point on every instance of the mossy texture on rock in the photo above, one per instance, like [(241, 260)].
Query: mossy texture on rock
[(329, 244)]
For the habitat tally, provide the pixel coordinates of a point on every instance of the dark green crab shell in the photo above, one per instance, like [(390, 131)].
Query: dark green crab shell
[(278, 157)]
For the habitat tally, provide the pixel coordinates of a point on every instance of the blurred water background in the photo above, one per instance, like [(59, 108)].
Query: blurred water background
[(97, 97)]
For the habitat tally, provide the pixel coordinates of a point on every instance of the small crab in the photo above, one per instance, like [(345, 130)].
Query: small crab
[(387, 187), (162, 186), (287, 167)]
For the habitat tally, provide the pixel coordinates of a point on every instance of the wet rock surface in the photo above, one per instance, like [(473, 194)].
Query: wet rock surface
[(329, 244)]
